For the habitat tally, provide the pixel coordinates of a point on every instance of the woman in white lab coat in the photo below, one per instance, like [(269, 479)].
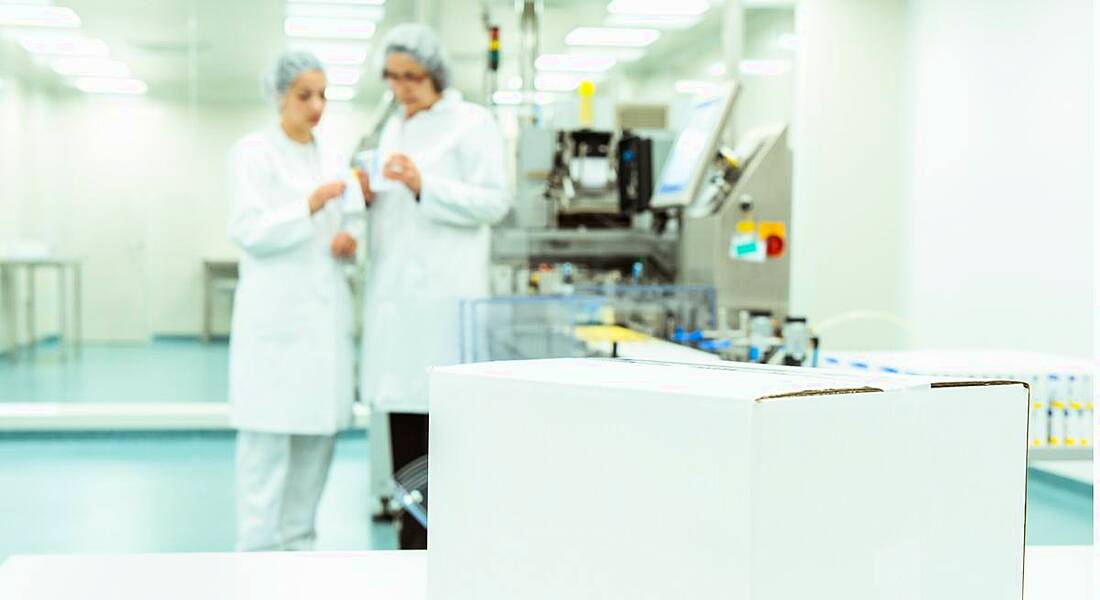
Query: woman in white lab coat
[(291, 347), (445, 184)]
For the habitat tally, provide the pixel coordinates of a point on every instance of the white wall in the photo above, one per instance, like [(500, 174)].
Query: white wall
[(847, 236), (1000, 215), (766, 99), (943, 178), (137, 188)]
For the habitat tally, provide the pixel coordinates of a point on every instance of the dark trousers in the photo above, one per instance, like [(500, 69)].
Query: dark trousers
[(408, 442)]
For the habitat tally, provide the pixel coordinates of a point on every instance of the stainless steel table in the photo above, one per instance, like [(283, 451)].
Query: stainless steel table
[(70, 323), (214, 271)]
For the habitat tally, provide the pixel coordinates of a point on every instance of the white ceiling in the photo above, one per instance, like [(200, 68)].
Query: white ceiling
[(216, 50)]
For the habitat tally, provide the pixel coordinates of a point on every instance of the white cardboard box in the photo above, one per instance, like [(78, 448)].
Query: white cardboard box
[(593, 479)]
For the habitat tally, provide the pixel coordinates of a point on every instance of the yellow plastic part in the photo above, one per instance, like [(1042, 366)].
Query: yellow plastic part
[(586, 90), (608, 333)]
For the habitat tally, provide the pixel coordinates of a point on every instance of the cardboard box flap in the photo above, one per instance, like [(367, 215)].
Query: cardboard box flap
[(823, 392), (865, 390), (724, 380), (979, 383)]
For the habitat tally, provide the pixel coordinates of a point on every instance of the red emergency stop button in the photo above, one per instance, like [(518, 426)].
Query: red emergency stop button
[(775, 246), (774, 235)]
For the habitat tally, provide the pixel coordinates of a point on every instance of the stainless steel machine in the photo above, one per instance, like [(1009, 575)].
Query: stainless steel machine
[(691, 212), (582, 205)]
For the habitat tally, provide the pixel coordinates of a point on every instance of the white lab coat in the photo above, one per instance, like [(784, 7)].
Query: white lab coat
[(291, 346), (426, 256)]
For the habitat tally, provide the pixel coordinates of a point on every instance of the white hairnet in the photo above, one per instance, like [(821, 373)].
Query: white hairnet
[(421, 43), (286, 70)]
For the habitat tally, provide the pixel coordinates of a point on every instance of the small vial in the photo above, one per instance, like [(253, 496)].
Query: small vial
[(1087, 438), (1056, 412)]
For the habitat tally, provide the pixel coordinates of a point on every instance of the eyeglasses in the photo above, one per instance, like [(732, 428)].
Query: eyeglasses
[(403, 77)]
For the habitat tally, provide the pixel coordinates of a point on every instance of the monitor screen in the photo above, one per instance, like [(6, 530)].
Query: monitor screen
[(693, 150)]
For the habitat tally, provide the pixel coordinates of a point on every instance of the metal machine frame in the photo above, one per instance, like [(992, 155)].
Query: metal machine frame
[(763, 192)]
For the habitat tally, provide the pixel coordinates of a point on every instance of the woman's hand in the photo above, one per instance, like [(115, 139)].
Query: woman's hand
[(343, 245), (401, 168), (325, 193), (364, 182)]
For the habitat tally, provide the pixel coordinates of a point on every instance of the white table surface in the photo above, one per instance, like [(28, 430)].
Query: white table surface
[(390, 575), (1055, 573)]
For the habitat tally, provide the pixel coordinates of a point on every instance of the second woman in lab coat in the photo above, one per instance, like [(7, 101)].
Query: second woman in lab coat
[(429, 236)]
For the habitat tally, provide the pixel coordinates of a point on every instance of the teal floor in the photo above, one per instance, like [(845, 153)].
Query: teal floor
[(164, 492), (167, 370), (1059, 511), (173, 492)]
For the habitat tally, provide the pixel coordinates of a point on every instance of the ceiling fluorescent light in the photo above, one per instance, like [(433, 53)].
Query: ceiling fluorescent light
[(30, 15), (59, 44), (110, 85), (514, 98), (507, 98), (696, 87), (621, 55), (659, 8), (339, 93), (575, 63), (653, 22), (557, 82), (764, 67), (335, 54), (315, 27), (78, 66), (611, 36), (345, 2), (335, 11), (342, 75)]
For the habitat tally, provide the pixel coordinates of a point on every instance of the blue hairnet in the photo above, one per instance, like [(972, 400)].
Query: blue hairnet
[(287, 69), (423, 45)]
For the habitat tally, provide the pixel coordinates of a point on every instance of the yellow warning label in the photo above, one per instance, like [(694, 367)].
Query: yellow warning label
[(770, 228)]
